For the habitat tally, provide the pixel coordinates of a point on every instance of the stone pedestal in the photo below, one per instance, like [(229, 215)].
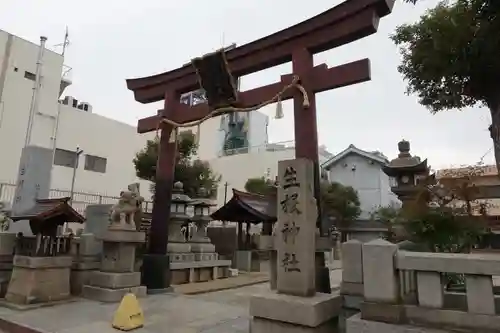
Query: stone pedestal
[(178, 249), (39, 280), (285, 313), (86, 253), (246, 261), (200, 243), (7, 245), (116, 276)]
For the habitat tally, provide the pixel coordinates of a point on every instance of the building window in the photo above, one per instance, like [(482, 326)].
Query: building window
[(64, 158), (29, 76), (95, 163)]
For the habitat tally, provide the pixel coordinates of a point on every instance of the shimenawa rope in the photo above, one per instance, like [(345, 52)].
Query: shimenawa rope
[(276, 99)]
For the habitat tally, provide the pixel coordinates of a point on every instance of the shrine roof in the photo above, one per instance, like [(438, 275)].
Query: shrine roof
[(45, 209), (339, 25), (247, 208), (353, 150)]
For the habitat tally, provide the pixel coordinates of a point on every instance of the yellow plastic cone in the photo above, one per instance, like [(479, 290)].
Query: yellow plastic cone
[(129, 315)]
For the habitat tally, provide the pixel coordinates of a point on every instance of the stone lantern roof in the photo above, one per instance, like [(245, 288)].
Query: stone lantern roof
[(178, 195), (405, 162)]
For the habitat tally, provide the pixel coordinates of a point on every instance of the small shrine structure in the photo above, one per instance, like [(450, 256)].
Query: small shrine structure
[(42, 263), (248, 208)]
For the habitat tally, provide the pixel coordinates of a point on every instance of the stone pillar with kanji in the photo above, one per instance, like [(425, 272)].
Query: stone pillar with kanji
[(295, 242)]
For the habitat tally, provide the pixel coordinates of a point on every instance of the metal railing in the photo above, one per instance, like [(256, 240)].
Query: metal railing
[(276, 146), (80, 199)]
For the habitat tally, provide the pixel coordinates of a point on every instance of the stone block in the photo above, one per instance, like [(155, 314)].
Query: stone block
[(39, 281), (118, 257), (470, 263), (123, 236), (111, 295), (194, 275), (89, 245), (202, 248), (459, 320), (262, 325), (305, 311), (173, 248), (273, 270), (205, 274), (181, 257), (97, 219), (352, 302), (42, 262), (206, 256), (430, 289), (180, 276), (199, 264), (380, 281), (244, 261), (387, 313), (352, 261), (7, 244), (480, 299), (356, 324), (348, 288), (85, 265), (222, 272), (78, 279), (115, 280)]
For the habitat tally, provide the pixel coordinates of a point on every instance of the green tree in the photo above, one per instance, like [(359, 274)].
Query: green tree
[(260, 185), (450, 58), (193, 173), (341, 203), (391, 216)]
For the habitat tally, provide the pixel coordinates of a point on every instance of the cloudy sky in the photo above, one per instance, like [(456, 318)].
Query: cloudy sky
[(113, 40)]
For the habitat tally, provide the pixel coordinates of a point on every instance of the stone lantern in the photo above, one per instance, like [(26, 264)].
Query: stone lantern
[(177, 248), (406, 175), (200, 243)]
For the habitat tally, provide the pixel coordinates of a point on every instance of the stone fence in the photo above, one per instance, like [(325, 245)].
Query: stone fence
[(392, 286)]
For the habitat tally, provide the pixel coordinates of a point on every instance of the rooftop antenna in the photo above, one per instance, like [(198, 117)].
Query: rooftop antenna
[(65, 43)]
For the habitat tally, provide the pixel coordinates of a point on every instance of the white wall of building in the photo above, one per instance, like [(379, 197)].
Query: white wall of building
[(96, 135), (367, 178), (18, 59), (257, 131), (101, 137)]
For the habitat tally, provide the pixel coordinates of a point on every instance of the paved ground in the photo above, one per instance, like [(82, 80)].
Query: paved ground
[(241, 280), (216, 312)]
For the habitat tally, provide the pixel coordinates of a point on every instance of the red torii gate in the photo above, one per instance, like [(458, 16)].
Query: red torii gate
[(342, 24)]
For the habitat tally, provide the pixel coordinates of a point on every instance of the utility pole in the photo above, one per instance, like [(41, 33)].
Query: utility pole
[(224, 223), (78, 152), (225, 192)]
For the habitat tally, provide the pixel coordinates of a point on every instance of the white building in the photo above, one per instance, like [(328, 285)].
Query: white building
[(260, 161), (105, 167), (363, 171)]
